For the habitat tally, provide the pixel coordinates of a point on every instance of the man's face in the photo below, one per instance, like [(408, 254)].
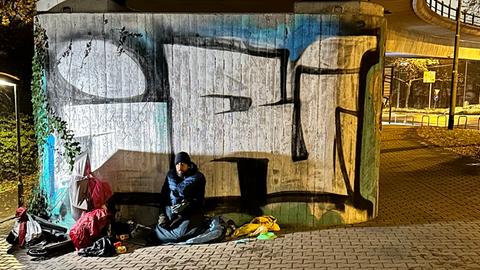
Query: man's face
[(181, 168)]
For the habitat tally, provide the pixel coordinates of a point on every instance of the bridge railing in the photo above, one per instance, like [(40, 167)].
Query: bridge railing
[(445, 10)]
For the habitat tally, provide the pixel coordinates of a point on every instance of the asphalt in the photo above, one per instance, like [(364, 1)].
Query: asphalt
[(428, 219)]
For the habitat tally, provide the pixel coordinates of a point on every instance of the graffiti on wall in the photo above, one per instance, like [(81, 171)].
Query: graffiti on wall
[(269, 106)]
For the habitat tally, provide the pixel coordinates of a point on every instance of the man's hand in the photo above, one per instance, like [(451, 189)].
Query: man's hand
[(176, 222), (180, 207), (163, 220)]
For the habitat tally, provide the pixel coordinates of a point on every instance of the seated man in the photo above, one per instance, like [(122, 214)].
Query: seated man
[(182, 196)]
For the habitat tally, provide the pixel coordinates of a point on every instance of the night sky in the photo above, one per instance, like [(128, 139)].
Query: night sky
[(16, 51)]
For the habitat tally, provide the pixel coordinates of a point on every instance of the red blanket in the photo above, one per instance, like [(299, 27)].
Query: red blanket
[(88, 227)]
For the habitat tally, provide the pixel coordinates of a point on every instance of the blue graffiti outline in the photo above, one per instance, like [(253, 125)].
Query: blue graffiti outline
[(300, 25)]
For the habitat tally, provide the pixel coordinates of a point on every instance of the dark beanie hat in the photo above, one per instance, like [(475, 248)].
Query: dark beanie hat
[(182, 157)]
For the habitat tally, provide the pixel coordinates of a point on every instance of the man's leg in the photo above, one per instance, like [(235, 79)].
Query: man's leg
[(167, 235)]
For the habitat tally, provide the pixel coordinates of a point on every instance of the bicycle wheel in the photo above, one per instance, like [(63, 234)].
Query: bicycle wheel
[(37, 252)]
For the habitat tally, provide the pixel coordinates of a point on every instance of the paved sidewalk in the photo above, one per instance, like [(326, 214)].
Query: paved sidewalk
[(428, 219)]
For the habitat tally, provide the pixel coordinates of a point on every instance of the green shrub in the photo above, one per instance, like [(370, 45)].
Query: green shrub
[(8, 147)]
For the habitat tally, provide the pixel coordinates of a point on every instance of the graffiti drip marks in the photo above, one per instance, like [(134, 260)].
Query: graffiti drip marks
[(124, 36)]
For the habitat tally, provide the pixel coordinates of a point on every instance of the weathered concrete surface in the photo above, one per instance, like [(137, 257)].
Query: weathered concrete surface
[(428, 219), (269, 116), (410, 22)]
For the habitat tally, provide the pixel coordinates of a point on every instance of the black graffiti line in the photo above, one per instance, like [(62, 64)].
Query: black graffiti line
[(157, 85), (258, 52), (369, 59), (299, 149), (235, 45), (237, 103), (339, 146), (324, 71), (233, 203), (88, 49), (65, 53), (170, 131), (156, 80), (225, 204)]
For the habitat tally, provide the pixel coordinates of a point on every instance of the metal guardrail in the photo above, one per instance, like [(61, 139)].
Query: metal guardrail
[(447, 11), (428, 118), (438, 119), (405, 118), (462, 117), (409, 119)]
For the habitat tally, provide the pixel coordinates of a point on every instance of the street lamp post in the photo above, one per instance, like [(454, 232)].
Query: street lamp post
[(453, 90), (465, 82), (19, 147)]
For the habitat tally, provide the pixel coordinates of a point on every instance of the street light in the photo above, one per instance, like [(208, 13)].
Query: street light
[(453, 90), (19, 148)]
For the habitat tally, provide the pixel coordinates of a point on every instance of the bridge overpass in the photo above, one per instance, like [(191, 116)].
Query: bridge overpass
[(413, 28)]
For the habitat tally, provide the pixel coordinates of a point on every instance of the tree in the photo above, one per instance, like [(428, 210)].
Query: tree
[(16, 49), (13, 10), (413, 69)]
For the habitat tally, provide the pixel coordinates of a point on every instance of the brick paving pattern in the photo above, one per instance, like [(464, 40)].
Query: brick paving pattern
[(7, 261), (428, 219)]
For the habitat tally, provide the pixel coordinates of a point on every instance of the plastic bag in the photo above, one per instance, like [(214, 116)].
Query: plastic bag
[(78, 189), (100, 191), (34, 230), (258, 225), (103, 247), (86, 191)]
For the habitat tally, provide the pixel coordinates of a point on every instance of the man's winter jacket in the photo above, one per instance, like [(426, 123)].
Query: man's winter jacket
[(190, 189)]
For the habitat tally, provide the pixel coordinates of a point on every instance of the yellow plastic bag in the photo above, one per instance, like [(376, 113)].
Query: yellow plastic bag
[(258, 225)]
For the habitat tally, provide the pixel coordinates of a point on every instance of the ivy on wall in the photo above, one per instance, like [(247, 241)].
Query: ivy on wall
[(45, 119)]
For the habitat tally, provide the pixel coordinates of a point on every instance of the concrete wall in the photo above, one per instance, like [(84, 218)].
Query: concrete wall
[(279, 111)]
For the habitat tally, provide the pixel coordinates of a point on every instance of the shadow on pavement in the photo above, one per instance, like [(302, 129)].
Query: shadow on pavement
[(8, 203)]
